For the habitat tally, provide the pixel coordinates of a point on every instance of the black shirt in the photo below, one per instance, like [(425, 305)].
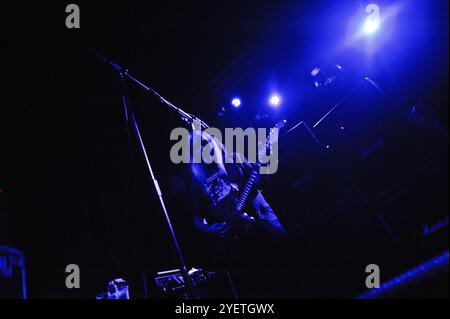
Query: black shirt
[(214, 191)]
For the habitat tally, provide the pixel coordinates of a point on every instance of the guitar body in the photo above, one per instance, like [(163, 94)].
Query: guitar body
[(239, 222)]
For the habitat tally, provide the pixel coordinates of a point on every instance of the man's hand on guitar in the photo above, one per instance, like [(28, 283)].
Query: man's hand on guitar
[(216, 229)]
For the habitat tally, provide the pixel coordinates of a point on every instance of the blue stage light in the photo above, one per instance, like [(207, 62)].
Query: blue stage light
[(372, 22), (236, 102), (275, 100), (370, 26)]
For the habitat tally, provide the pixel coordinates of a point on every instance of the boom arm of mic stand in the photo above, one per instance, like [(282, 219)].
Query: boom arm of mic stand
[(123, 72), (189, 118)]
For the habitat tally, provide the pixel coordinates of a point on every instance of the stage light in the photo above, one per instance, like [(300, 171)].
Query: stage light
[(372, 22), (370, 26), (236, 102), (275, 100)]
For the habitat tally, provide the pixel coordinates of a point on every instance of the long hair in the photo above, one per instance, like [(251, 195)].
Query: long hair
[(219, 155)]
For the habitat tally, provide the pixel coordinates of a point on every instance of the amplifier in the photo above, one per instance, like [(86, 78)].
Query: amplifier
[(172, 284), (12, 273), (117, 289), (371, 142), (305, 186), (384, 157)]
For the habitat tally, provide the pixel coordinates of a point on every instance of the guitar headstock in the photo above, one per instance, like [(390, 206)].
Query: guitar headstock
[(273, 134), (271, 138)]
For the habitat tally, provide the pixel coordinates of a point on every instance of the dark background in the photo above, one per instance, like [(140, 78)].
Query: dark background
[(65, 166)]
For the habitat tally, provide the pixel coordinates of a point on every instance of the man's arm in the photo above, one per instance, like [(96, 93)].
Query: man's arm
[(268, 217)]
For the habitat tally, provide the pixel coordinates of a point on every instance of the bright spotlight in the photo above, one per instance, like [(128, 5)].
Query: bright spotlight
[(372, 22), (274, 100), (370, 26), (236, 102)]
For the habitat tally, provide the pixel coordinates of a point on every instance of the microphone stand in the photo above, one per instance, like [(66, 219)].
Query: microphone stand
[(130, 117)]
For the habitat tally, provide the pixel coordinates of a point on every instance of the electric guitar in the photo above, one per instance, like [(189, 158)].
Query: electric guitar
[(238, 220)]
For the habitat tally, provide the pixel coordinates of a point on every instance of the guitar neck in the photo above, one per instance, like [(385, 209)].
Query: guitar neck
[(248, 188), (254, 174)]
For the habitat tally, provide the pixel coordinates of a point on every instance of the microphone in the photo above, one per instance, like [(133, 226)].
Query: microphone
[(117, 67)]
